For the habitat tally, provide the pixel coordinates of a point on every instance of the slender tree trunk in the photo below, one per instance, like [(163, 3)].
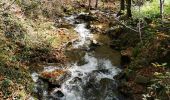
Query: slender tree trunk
[(122, 7), (129, 13), (162, 8), (89, 4), (139, 26), (96, 5)]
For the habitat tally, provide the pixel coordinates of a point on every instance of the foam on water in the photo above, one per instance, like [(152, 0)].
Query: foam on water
[(84, 35), (83, 72), (74, 91)]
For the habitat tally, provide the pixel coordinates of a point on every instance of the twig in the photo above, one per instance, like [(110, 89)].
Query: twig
[(8, 6)]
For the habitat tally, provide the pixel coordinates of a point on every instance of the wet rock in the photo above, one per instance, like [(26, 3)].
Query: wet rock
[(142, 79), (56, 77), (104, 71), (57, 94), (121, 75), (108, 82), (76, 80), (125, 60), (115, 47), (127, 52), (115, 44), (114, 32), (76, 55), (77, 22), (40, 88), (126, 56), (94, 44), (86, 17), (125, 90), (101, 90)]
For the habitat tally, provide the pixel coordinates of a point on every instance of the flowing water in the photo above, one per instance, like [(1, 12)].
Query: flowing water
[(91, 71)]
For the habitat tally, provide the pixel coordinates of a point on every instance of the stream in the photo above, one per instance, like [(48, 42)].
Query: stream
[(91, 69)]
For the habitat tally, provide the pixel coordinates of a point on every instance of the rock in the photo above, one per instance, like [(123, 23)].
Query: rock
[(100, 90), (56, 77), (104, 71), (77, 22), (86, 17), (126, 56), (114, 32), (115, 47), (109, 83), (115, 44), (94, 44), (142, 79), (57, 94), (127, 52), (125, 60), (121, 75), (76, 80), (125, 90)]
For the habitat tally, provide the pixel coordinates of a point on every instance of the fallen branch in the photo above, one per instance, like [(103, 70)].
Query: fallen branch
[(124, 25)]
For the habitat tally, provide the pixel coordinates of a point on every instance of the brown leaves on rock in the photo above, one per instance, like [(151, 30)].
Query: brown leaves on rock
[(56, 77), (54, 74)]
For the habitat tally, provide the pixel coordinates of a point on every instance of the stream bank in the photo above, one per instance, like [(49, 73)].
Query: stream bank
[(145, 65)]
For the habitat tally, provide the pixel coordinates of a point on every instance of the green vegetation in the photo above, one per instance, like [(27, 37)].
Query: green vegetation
[(150, 9)]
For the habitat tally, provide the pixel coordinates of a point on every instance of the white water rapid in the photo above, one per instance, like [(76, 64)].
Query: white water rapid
[(84, 78)]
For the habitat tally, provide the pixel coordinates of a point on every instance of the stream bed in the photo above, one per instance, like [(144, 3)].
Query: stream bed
[(90, 70)]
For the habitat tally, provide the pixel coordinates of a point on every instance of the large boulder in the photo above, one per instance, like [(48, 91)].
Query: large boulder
[(126, 56), (94, 44), (115, 32), (55, 77), (86, 17)]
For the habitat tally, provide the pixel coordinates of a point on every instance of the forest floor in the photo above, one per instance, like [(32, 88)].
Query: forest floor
[(27, 43)]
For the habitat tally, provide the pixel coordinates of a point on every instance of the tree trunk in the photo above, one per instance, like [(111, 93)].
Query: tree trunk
[(96, 5), (161, 8), (89, 4), (122, 7), (129, 13)]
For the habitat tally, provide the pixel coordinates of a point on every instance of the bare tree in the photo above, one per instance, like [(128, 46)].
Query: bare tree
[(161, 8), (96, 5), (129, 13), (122, 7)]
